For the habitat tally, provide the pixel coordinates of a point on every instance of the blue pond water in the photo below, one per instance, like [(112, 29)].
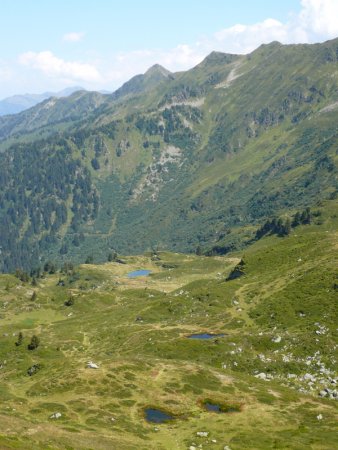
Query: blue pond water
[(204, 336), (138, 273), (156, 416), (212, 407)]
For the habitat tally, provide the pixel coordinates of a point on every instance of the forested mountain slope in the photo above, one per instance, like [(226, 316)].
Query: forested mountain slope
[(174, 161)]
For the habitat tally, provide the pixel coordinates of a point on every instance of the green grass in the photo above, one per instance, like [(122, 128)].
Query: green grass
[(136, 330)]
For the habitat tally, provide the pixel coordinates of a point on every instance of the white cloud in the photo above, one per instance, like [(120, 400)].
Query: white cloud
[(244, 38), (125, 65), (180, 57), (73, 37), (53, 66), (317, 21), (320, 18), (183, 56)]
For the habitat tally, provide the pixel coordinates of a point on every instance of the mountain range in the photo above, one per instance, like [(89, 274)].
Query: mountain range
[(18, 103), (182, 161)]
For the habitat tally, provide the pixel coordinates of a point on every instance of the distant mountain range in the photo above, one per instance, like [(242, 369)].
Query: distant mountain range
[(18, 103), (171, 160)]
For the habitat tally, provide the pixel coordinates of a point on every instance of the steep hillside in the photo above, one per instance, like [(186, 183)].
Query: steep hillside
[(108, 347), (174, 161)]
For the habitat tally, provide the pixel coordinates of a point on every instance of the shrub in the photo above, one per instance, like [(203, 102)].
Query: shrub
[(35, 342)]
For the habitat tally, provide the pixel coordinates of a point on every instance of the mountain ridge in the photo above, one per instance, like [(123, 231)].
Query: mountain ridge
[(20, 102), (176, 161)]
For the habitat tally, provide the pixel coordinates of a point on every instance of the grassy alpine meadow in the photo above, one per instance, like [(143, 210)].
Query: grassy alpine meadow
[(111, 347)]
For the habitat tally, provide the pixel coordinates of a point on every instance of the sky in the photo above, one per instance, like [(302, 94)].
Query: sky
[(48, 45)]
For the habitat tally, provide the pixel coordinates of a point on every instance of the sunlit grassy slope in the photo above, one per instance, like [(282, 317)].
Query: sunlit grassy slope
[(279, 319)]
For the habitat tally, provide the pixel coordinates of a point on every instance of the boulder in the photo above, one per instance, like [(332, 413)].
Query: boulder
[(261, 376), (92, 365), (309, 377), (33, 369), (202, 433)]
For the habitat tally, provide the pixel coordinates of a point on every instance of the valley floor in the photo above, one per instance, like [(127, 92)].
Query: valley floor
[(273, 372)]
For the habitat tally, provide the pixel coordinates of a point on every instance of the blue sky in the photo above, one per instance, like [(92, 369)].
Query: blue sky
[(50, 45)]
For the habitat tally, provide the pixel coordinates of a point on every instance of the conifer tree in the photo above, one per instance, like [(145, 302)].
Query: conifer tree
[(35, 342), (20, 339)]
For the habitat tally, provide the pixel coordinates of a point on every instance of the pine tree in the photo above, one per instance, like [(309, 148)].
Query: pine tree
[(49, 267), (305, 217), (35, 341), (287, 226), (296, 220), (20, 339), (70, 301)]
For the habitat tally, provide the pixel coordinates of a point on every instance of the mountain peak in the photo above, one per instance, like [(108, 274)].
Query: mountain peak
[(143, 82), (157, 69), (267, 49), (216, 58), (273, 44)]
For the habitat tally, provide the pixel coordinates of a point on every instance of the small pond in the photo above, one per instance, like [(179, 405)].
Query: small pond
[(204, 336), (221, 408), (139, 273), (212, 407), (157, 416)]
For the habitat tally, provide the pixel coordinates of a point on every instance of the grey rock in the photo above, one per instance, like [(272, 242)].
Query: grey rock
[(92, 365), (261, 376), (33, 369), (202, 433)]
